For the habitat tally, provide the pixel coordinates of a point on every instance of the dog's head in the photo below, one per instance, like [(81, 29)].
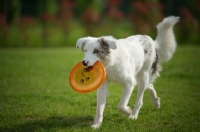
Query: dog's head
[(96, 49)]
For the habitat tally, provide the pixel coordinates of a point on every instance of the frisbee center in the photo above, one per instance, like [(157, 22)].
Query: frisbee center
[(87, 76)]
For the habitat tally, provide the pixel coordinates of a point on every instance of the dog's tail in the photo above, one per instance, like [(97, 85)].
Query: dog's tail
[(165, 40), (165, 44)]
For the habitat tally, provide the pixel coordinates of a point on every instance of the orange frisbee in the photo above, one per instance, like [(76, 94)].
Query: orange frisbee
[(87, 79)]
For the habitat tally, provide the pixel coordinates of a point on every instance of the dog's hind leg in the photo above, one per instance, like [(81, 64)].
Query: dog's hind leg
[(142, 85), (122, 106), (155, 98), (101, 101)]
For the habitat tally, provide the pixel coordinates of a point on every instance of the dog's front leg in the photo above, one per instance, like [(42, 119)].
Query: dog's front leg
[(101, 101)]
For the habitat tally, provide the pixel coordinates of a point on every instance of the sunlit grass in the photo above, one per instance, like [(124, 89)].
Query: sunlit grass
[(35, 94)]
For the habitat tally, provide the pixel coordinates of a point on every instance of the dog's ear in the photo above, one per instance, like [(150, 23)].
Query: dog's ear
[(112, 44), (80, 42), (110, 41)]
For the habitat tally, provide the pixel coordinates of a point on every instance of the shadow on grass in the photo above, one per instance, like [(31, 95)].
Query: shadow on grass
[(52, 123)]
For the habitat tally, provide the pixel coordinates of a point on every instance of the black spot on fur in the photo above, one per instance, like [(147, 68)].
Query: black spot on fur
[(83, 46), (155, 64), (104, 49)]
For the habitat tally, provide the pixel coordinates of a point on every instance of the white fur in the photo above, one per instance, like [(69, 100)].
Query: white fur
[(129, 62)]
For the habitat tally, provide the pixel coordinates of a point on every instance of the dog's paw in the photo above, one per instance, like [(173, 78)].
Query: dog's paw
[(96, 126), (127, 110), (157, 102), (133, 117)]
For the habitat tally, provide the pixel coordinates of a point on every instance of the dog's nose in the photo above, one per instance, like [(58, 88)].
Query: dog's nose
[(84, 62)]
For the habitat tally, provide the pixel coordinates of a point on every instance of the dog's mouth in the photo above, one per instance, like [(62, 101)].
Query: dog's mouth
[(88, 69)]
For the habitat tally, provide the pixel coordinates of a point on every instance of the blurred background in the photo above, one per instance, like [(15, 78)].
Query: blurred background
[(45, 23)]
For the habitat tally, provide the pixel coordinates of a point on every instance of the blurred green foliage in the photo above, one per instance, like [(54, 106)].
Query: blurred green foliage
[(34, 23)]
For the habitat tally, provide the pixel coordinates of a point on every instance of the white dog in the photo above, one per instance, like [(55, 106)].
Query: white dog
[(132, 61)]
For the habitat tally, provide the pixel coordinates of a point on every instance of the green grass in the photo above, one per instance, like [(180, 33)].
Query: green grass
[(35, 94)]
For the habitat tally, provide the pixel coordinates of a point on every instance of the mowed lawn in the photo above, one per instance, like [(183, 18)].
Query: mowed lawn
[(35, 94)]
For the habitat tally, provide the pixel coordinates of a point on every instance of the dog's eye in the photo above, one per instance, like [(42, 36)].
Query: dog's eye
[(96, 51)]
